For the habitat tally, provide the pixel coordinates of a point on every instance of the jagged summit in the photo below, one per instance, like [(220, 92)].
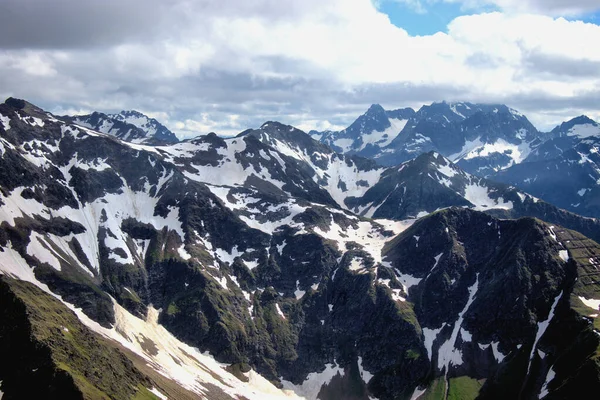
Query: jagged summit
[(131, 113), (278, 134), (131, 126), (156, 133), (371, 131), (580, 127), (484, 138)]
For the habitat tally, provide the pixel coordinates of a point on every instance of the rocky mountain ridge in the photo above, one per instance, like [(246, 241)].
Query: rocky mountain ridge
[(261, 251), (481, 138), (131, 126), (563, 170), (371, 132), (497, 142)]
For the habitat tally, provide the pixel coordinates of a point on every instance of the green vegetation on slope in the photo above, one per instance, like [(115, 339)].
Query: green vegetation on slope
[(48, 345), (464, 388), (436, 390)]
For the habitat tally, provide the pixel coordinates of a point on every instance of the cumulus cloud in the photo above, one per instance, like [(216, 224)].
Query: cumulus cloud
[(547, 7), (225, 66), (550, 7)]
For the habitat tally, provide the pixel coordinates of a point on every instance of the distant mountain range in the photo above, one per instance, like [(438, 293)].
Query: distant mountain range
[(482, 138), (493, 141), (485, 140), (270, 266)]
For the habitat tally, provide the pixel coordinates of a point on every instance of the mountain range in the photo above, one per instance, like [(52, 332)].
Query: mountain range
[(490, 141), (481, 138), (268, 265)]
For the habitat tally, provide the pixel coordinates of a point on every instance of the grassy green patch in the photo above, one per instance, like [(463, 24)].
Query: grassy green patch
[(464, 388), (412, 354), (144, 394), (407, 313), (172, 309), (436, 390), (131, 295)]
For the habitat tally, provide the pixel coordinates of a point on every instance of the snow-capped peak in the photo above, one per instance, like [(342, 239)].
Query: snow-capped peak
[(581, 127), (153, 129), (130, 126)]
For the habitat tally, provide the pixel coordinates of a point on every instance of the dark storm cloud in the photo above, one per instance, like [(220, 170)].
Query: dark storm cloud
[(584, 5), (64, 24), (68, 23), (539, 100), (536, 62)]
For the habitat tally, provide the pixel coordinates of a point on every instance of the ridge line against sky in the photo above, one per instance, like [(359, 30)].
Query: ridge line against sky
[(227, 65)]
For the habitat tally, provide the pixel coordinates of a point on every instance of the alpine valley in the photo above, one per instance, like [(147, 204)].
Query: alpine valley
[(446, 253)]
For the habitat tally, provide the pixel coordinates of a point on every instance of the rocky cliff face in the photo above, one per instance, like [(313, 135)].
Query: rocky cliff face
[(261, 250), (490, 301)]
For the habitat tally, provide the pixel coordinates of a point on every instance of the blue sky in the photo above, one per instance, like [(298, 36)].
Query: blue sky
[(593, 18), (435, 16)]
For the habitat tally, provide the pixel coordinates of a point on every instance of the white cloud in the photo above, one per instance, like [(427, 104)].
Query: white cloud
[(545, 7), (31, 62), (549, 7), (223, 68)]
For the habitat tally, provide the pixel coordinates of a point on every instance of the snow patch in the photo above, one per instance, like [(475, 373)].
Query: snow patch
[(281, 314), (41, 249), (479, 197), (311, 386), (549, 377), (356, 264), (228, 257), (517, 153), (14, 265), (447, 170), (178, 361), (429, 336), (298, 293), (364, 374), (5, 121), (584, 130), (467, 148), (591, 303), (418, 393), (448, 353), (564, 254), (465, 335), (497, 353), (365, 233), (158, 394), (344, 144), (382, 138), (552, 234), (541, 329)]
